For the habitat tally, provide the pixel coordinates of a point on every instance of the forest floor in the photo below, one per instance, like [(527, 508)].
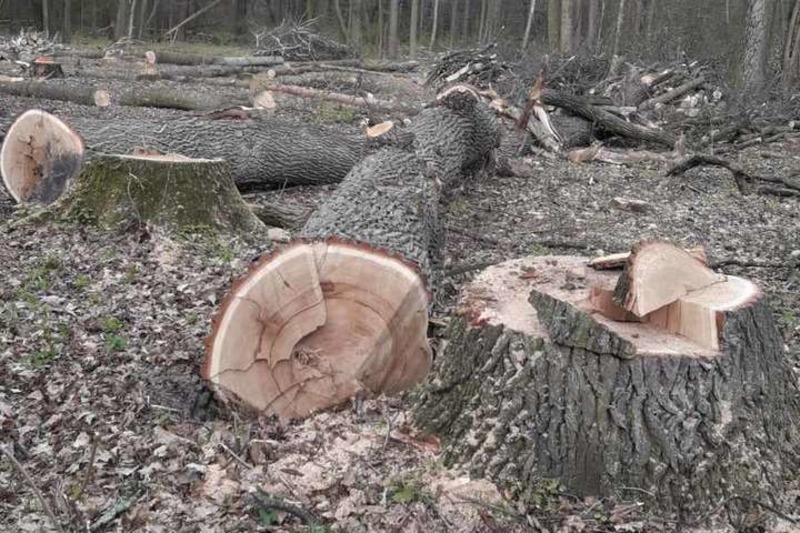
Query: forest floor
[(102, 334)]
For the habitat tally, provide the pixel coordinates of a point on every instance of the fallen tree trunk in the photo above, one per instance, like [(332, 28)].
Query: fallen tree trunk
[(539, 387), (347, 99), (39, 89), (263, 154), (175, 99), (605, 120), (344, 307), (191, 59)]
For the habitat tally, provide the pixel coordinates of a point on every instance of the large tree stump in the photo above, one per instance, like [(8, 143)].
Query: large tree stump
[(344, 308), (550, 388), (263, 154), (170, 192)]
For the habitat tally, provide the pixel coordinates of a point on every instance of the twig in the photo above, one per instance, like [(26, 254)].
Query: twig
[(87, 477), (790, 519), (46, 506), (267, 502), (236, 456)]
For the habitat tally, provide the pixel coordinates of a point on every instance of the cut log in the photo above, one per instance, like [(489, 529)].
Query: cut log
[(657, 274), (263, 154), (175, 58), (174, 99), (39, 89), (169, 192), (40, 156), (524, 393), (344, 308)]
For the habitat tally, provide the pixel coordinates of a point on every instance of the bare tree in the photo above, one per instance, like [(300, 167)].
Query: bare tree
[(412, 40), (791, 47), (435, 22), (554, 24), (66, 22), (453, 21), (756, 46), (355, 24), (528, 25), (566, 26), (131, 18), (394, 13), (594, 24), (618, 29), (46, 17)]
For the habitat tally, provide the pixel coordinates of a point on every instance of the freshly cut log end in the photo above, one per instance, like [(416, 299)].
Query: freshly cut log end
[(658, 273), (39, 158), (264, 100), (102, 98), (379, 129), (612, 261), (150, 57), (170, 192), (314, 324), (555, 390)]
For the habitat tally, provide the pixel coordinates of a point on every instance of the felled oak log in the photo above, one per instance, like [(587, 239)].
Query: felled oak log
[(175, 58), (173, 99), (40, 89), (344, 307), (534, 384), (263, 154)]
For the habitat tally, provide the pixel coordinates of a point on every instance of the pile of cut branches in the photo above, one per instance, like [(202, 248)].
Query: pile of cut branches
[(480, 67), (28, 45), (299, 42)]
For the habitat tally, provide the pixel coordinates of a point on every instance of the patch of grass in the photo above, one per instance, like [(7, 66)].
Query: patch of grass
[(110, 324), (409, 489), (131, 273), (82, 281), (328, 112), (115, 343), (40, 358)]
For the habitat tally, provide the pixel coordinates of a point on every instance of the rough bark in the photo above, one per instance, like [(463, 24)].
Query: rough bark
[(394, 42), (566, 26), (38, 89), (554, 24), (523, 396), (412, 39), (757, 44), (263, 154), (174, 99), (351, 291), (172, 193), (175, 58), (605, 120)]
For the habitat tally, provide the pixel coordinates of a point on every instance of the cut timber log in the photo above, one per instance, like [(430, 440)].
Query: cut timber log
[(174, 99), (344, 307), (263, 154), (170, 192), (658, 273), (46, 68), (39, 158), (370, 102), (612, 261), (39, 89), (190, 59), (524, 393)]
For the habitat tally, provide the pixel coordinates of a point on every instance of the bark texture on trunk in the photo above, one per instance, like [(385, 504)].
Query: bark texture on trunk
[(757, 44), (557, 392), (172, 193), (344, 307), (39, 89), (174, 99), (263, 154), (174, 58)]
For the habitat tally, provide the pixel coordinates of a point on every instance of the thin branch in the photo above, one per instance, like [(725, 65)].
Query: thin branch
[(46, 506), (269, 503)]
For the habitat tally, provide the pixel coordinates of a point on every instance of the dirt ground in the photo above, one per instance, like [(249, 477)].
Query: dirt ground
[(101, 337)]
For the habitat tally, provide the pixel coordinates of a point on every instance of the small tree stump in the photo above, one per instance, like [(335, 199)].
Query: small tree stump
[(46, 67), (535, 384), (171, 192)]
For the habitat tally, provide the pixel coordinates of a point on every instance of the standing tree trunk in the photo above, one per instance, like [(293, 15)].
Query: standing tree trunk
[(121, 22), (528, 25), (756, 46), (240, 16), (566, 26), (131, 19), (791, 47), (356, 18), (12, 16), (394, 14), (435, 22), (466, 19), (593, 25), (412, 39), (66, 26), (46, 17), (554, 24), (618, 29), (453, 21)]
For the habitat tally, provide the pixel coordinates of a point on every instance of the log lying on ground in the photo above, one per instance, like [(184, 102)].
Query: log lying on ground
[(553, 390), (39, 89), (263, 154), (344, 307), (193, 59), (175, 99), (39, 158), (170, 192)]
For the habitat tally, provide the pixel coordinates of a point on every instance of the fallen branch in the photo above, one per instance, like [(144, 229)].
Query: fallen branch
[(674, 94), (740, 176), (24, 473), (268, 503)]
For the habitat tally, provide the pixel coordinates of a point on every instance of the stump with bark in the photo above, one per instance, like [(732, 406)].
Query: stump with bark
[(344, 307), (263, 154), (169, 192), (535, 383)]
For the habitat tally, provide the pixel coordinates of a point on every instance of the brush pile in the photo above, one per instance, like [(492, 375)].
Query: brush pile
[(480, 67), (28, 45), (299, 42)]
